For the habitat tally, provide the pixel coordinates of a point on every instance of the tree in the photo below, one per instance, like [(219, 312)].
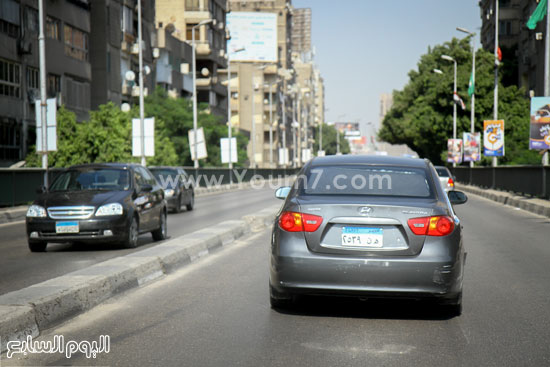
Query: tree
[(329, 141), (421, 116)]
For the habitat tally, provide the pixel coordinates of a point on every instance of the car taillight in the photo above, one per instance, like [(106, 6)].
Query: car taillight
[(451, 183), (440, 225), (299, 222)]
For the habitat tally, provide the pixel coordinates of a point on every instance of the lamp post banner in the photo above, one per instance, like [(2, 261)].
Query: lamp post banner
[(493, 138), (539, 137), (454, 151), (472, 149)]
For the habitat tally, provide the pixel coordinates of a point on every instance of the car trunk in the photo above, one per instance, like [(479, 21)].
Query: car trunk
[(359, 226)]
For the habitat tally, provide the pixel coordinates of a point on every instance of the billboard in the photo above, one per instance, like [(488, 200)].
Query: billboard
[(493, 138), (454, 151), (255, 33), (472, 148), (539, 137)]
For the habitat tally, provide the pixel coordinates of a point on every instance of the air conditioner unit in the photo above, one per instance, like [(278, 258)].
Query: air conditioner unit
[(184, 68), (124, 46), (24, 47), (135, 49), (33, 95), (59, 99), (135, 91)]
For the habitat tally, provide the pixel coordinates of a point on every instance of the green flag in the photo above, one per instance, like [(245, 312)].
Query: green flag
[(471, 86), (537, 15)]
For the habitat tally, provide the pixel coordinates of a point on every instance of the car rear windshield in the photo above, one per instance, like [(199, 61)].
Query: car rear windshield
[(366, 180), (442, 172), (92, 179)]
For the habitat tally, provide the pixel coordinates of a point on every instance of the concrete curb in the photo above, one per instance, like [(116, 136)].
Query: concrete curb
[(533, 205), (13, 214), (31, 310)]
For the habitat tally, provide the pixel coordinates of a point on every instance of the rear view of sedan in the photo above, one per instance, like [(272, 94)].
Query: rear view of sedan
[(367, 226), (445, 178)]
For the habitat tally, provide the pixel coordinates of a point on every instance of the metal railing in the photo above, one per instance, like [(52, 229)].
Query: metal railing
[(524, 180)]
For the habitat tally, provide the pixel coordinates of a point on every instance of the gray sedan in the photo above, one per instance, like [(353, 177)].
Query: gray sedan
[(367, 226)]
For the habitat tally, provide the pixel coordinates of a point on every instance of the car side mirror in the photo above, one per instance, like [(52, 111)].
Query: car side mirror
[(282, 192), (146, 188), (457, 197), (41, 189)]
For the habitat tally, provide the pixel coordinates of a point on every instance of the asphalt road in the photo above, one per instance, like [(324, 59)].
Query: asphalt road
[(216, 312), (20, 268)]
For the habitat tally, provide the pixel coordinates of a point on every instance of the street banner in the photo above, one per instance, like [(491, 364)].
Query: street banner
[(493, 138), (472, 147), (283, 156), (201, 144), (539, 137), (454, 151), (51, 124), (148, 140), (224, 144)]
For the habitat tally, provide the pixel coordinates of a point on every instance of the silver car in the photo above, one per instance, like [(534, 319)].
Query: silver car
[(445, 177), (367, 226)]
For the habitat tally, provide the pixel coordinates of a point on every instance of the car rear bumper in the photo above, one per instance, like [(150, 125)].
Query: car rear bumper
[(90, 230), (432, 273)]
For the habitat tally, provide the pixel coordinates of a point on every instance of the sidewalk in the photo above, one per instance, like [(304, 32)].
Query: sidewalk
[(533, 205)]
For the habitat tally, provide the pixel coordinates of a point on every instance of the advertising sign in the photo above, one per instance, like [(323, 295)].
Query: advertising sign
[(51, 124), (201, 145), (255, 33), (224, 144), (472, 147), (539, 137), (493, 138), (454, 151), (149, 139)]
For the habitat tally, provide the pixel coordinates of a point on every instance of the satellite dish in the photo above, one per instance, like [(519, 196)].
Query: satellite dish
[(125, 107), (147, 70), (205, 72), (130, 76)]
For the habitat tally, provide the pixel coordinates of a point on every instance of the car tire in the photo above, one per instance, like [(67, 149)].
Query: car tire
[(279, 300), (132, 235), (191, 204), (160, 233), (179, 204), (37, 246)]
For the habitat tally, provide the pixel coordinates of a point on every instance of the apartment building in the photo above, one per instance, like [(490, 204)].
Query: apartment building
[(68, 65), (523, 49), (180, 17)]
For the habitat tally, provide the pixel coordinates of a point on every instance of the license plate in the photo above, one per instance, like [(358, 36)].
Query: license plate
[(362, 237), (66, 227)]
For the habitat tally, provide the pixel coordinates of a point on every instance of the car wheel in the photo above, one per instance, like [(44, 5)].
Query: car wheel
[(179, 204), (132, 235), (191, 204), (279, 300), (37, 246), (160, 233)]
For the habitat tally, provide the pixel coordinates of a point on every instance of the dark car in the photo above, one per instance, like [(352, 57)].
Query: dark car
[(178, 189), (368, 226), (111, 203)]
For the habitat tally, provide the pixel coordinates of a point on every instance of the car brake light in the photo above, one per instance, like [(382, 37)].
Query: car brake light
[(299, 222), (451, 183), (440, 225)]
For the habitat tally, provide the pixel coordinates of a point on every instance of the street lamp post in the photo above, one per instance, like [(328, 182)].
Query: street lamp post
[(229, 124), (546, 73), (253, 119), (195, 135), (472, 112), (449, 58), (495, 103), (141, 104)]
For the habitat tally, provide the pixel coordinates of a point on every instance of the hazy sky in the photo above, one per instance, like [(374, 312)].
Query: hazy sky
[(367, 47)]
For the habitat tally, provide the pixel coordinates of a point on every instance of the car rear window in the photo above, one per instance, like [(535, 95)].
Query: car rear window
[(442, 172), (92, 179), (365, 180)]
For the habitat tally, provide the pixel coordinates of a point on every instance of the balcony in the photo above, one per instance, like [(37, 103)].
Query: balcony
[(203, 82)]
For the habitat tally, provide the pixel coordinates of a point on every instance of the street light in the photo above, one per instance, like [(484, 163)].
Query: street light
[(472, 112), (253, 128), (270, 85), (229, 124), (195, 148), (449, 58)]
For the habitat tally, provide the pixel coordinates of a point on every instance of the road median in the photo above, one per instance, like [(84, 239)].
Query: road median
[(33, 309)]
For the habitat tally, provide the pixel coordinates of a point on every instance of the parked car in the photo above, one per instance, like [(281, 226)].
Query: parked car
[(111, 203), (367, 226), (177, 187), (445, 177)]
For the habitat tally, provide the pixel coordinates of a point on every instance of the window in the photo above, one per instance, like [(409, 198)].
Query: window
[(10, 79), (76, 43), (76, 94), (53, 85), (189, 34), (52, 28), (10, 139), (31, 19), (192, 5), (33, 78), (9, 18), (127, 23), (505, 28)]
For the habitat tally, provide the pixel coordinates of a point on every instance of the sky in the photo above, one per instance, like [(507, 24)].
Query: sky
[(367, 47)]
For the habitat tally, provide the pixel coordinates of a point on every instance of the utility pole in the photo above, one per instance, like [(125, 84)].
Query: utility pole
[(495, 103), (141, 106), (43, 103), (547, 68)]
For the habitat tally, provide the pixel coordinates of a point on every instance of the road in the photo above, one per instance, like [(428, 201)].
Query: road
[(20, 268), (216, 312)]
